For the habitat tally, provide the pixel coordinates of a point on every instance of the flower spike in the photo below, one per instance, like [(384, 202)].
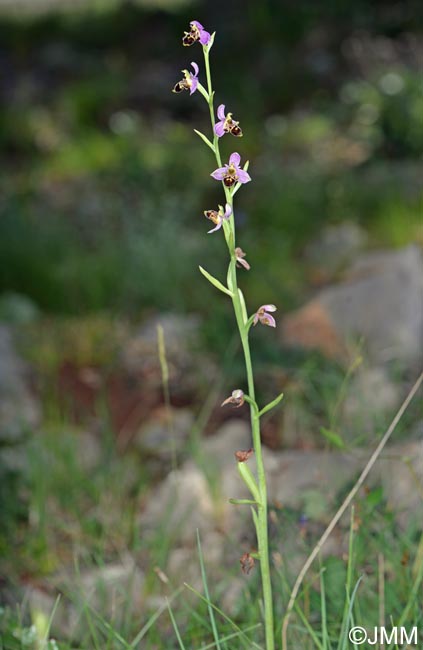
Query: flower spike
[(231, 173), (196, 33), (190, 81)]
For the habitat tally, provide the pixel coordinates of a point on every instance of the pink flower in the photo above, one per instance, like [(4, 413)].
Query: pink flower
[(232, 173), (239, 256), (236, 398), (264, 317), (218, 216), (196, 33), (226, 124), (190, 81)]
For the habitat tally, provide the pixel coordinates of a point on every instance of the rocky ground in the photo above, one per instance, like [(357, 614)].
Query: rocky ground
[(369, 318)]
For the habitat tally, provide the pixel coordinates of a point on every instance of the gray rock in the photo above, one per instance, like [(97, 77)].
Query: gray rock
[(400, 472), (17, 309), (336, 246), (165, 433), (111, 590), (19, 412), (371, 397), (197, 495), (181, 334), (382, 301), (379, 302), (188, 366), (298, 479)]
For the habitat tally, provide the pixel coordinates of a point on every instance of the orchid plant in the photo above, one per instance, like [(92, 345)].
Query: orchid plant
[(232, 176)]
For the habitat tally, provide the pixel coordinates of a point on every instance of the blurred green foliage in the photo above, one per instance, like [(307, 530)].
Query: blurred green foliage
[(103, 183)]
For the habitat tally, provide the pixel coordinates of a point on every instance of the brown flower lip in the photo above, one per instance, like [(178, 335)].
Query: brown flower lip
[(239, 256), (247, 563), (243, 455), (237, 398)]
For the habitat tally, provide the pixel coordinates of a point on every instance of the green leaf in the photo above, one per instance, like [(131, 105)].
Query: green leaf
[(229, 276), (375, 497), (243, 307), (205, 139), (243, 502), (333, 437), (206, 593), (249, 480), (271, 405), (175, 626), (215, 282), (209, 45)]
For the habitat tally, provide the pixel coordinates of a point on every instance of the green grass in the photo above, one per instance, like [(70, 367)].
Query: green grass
[(64, 516)]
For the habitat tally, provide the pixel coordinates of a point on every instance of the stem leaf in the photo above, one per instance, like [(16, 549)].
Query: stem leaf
[(249, 480), (243, 307), (215, 282), (205, 139), (229, 277), (243, 502), (271, 405)]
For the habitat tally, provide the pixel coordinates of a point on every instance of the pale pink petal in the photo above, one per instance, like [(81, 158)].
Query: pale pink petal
[(269, 308), (243, 176), (196, 24), (196, 68), (194, 84), (221, 112), (228, 211), (243, 263), (219, 225), (267, 319), (219, 174), (255, 321), (235, 159), (219, 129), (204, 37)]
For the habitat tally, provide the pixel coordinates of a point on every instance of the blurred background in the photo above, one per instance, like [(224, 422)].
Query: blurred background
[(103, 186)]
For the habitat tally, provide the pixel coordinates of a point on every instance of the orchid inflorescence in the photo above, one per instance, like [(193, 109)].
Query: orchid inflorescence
[(232, 176)]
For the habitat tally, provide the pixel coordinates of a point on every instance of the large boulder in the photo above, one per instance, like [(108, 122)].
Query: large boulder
[(380, 301)]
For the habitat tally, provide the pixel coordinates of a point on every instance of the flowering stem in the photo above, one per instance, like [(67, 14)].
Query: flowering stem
[(244, 324)]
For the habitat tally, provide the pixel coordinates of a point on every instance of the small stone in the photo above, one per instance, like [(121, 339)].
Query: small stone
[(165, 433), (19, 412)]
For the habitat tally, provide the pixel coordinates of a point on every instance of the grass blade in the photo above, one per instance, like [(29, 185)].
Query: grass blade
[(243, 637), (175, 626), (206, 591), (141, 634)]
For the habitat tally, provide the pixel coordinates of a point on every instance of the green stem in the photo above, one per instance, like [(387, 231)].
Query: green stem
[(261, 527)]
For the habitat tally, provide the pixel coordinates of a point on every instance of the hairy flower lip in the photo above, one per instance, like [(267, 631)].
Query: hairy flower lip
[(226, 124), (231, 173), (236, 398), (239, 256), (196, 33), (218, 216), (189, 82), (244, 454), (247, 563)]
